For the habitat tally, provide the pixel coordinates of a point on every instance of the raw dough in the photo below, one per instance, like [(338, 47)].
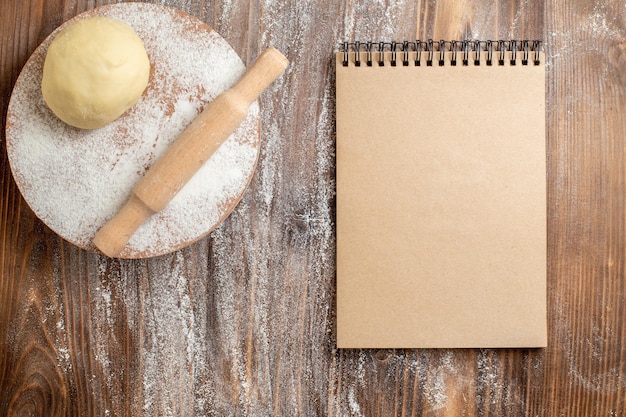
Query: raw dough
[(95, 70)]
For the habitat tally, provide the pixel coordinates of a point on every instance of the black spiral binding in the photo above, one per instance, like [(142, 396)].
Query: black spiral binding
[(435, 51)]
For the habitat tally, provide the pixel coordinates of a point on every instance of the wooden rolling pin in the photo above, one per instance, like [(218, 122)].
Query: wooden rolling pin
[(189, 152)]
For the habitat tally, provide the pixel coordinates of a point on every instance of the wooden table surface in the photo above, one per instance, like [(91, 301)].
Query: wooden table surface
[(242, 322)]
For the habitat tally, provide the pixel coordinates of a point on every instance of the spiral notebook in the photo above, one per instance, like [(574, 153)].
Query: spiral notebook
[(441, 194)]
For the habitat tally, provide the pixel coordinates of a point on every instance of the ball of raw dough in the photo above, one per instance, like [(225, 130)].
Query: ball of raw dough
[(95, 69)]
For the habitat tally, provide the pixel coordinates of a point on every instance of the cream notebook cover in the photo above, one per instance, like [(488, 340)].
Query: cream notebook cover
[(441, 195)]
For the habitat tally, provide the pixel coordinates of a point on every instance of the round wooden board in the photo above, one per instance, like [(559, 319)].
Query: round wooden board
[(75, 180)]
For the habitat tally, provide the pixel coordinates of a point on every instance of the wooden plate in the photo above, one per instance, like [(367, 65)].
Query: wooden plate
[(75, 180)]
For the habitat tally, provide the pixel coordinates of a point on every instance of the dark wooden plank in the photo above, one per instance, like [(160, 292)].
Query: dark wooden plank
[(586, 95), (32, 382)]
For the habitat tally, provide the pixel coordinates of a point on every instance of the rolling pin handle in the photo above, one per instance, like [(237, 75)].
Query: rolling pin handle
[(114, 235), (268, 66)]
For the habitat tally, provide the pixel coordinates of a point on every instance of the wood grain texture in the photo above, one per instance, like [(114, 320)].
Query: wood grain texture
[(242, 322)]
